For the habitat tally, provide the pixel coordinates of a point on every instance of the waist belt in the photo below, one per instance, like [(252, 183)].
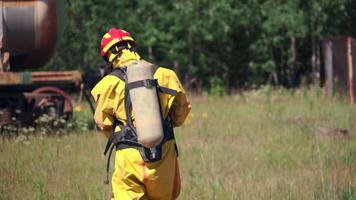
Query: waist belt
[(126, 138)]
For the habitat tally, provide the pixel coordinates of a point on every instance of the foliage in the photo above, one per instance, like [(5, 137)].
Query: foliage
[(243, 43), (216, 87)]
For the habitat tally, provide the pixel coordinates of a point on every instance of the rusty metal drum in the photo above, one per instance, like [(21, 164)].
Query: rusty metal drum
[(30, 30)]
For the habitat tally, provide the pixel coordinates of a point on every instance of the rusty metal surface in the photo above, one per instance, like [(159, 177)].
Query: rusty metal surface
[(5, 116), (13, 78), (353, 58), (7, 78), (1, 27), (63, 76), (343, 66), (30, 32), (23, 108), (19, 29), (68, 107), (339, 64), (350, 70), (328, 65)]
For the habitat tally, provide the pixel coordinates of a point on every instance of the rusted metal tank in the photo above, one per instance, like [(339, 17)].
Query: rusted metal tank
[(340, 66), (30, 30)]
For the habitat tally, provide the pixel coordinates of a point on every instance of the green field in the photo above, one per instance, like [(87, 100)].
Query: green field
[(261, 145)]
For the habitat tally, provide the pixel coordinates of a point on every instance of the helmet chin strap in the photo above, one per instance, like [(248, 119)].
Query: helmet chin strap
[(113, 60), (117, 56)]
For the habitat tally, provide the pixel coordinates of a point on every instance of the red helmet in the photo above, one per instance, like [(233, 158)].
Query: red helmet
[(112, 37)]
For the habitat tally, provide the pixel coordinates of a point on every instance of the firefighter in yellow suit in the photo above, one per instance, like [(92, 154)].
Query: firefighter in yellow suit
[(134, 178)]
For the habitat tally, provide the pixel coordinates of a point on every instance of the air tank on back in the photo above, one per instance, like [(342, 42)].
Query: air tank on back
[(30, 30)]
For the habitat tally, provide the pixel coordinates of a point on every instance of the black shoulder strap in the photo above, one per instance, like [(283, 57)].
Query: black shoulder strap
[(118, 73), (167, 90), (164, 89)]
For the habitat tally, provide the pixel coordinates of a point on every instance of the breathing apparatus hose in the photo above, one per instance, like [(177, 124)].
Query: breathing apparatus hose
[(113, 145), (87, 97)]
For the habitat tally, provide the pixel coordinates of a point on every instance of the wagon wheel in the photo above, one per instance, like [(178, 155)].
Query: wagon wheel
[(57, 103)]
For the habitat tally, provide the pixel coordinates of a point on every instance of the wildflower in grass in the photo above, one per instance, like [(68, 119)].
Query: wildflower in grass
[(205, 115), (77, 108), (189, 119)]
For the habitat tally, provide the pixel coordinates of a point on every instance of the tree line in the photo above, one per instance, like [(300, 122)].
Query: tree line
[(212, 44)]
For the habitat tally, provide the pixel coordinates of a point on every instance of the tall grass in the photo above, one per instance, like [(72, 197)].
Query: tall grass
[(265, 144)]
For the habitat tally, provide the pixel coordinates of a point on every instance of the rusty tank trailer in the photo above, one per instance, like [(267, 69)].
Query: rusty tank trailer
[(29, 30)]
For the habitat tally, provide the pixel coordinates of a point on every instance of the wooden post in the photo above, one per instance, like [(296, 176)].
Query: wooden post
[(1, 38), (350, 70), (4, 56), (329, 69)]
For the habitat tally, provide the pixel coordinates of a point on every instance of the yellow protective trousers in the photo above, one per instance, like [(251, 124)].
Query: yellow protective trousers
[(133, 178)]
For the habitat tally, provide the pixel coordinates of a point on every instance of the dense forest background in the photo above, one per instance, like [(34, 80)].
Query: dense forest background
[(217, 45)]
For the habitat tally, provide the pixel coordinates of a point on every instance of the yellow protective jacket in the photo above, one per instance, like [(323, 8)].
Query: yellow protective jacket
[(133, 178)]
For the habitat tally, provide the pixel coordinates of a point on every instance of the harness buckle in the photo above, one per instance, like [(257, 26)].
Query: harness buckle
[(148, 83)]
